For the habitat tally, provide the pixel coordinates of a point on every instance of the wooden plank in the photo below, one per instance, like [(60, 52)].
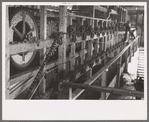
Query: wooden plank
[(62, 49), (82, 53), (62, 28), (105, 89), (72, 55), (7, 57), (104, 83), (30, 47)]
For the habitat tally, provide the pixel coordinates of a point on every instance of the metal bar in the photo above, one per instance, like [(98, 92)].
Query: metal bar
[(105, 89)]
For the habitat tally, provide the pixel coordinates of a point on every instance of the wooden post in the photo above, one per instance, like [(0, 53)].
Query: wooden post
[(43, 36), (82, 52), (103, 83), (62, 28), (104, 79), (72, 55), (7, 56), (62, 49)]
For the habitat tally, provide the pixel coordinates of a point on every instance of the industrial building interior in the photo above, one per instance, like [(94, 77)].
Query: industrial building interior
[(74, 52)]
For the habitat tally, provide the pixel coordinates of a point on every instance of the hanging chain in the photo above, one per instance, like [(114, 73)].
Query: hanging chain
[(57, 41)]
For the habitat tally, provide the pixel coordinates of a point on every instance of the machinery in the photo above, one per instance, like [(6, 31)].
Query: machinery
[(79, 41)]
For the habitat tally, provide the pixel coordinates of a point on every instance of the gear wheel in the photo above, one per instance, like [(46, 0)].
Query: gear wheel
[(22, 23)]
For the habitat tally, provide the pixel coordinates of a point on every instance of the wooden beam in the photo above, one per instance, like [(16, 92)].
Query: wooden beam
[(29, 47), (105, 89), (104, 83), (43, 36), (112, 85), (62, 49)]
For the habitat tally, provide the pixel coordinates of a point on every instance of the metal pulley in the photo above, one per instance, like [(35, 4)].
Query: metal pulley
[(57, 36), (84, 36), (85, 24), (104, 25), (96, 29), (82, 29), (100, 25), (59, 39), (92, 34), (71, 29), (90, 29)]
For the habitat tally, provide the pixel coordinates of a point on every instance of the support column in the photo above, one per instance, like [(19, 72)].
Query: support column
[(104, 79), (103, 83), (43, 36), (7, 57), (64, 94)]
